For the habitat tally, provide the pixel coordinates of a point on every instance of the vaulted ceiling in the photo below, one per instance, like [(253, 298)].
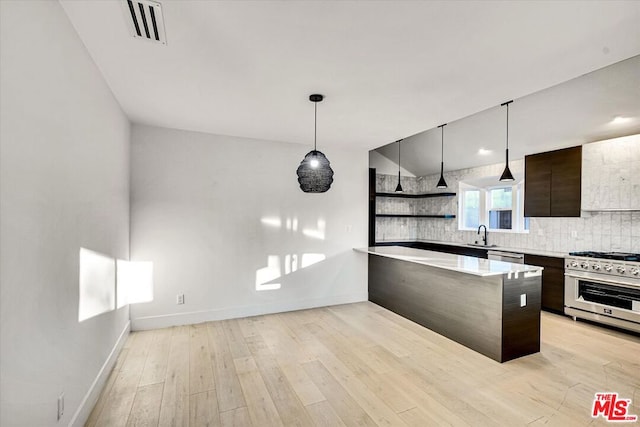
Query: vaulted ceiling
[(600, 105)]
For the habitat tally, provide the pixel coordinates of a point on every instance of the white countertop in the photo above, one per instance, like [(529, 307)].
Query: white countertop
[(541, 252), (460, 263)]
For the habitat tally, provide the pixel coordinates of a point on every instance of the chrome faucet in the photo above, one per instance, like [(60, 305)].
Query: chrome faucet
[(484, 237)]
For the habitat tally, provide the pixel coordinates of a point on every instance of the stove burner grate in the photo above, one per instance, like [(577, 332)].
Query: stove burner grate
[(620, 256)]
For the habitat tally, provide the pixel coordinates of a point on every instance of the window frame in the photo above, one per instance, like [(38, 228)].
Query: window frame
[(518, 221)]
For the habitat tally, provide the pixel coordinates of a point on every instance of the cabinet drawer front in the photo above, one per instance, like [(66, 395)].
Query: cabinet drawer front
[(553, 289), (544, 261), (552, 281)]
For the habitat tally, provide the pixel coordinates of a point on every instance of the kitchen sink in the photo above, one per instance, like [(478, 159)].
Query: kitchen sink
[(481, 245)]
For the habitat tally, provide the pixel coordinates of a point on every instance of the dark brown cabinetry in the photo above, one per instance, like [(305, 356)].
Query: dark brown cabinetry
[(483, 313), (552, 183), (552, 281), (552, 275)]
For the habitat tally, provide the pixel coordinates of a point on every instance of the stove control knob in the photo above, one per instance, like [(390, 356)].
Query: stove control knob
[(620, 269), (584, 264), (596, 266), (574, 264), (635, 271), (608, 268)]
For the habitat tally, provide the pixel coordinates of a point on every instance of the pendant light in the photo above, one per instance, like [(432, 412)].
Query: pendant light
[(442, 183), (314, 173), (507, 175), (399, 187)]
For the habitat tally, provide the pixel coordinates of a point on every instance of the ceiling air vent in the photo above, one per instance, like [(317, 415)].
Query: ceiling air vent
[(144, 19)]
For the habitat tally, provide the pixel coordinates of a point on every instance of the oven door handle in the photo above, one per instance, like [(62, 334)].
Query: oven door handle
[(611, 282)]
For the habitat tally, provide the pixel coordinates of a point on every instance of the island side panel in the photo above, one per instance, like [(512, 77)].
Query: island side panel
[(463, 307), (521, 325)]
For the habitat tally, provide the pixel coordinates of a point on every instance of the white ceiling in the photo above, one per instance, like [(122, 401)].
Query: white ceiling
[(388, 69)]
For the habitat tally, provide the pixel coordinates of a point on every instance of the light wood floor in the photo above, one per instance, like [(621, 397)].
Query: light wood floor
[(360, 364)]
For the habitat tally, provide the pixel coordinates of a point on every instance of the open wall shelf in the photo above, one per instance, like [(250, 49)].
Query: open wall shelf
[(415, 196), (413, 216), (381, 200)]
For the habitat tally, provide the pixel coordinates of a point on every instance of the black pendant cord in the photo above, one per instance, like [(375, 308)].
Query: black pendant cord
[(507, 154), (442, 144), (315, 125), (442, 148), (399, 159), (507, 151)]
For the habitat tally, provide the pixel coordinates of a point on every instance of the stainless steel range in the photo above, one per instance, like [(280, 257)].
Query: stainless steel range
[(603, 287)]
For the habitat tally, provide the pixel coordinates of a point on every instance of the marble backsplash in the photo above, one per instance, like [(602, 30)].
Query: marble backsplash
[(610, 177), (599, 231)]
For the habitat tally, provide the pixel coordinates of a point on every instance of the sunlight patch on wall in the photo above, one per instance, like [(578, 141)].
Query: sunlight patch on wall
[(97, 284), (292, 224), (271, 222), (317, 233), (290, 263), (134, 282), (310, 259), (268, 273), (105, 284), (273, 269)]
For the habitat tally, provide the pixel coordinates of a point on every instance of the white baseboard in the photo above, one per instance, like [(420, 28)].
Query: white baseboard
[(176, 319), (90, 399)]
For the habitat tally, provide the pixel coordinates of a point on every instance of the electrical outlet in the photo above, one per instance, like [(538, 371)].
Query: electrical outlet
[(574, 234), (60, 406), (180, 299)]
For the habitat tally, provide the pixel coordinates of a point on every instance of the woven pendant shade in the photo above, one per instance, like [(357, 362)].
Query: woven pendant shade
[(314, 173), (316, 179)]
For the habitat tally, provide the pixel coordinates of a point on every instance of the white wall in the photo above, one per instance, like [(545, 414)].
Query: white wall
[(64, 183), (204, 210)]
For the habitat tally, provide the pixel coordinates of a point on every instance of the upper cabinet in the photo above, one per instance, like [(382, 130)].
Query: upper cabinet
[(610, 175), (552, 183)]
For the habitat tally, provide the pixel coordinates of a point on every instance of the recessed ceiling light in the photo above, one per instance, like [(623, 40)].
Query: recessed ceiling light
[(618, 120), (484, 151)]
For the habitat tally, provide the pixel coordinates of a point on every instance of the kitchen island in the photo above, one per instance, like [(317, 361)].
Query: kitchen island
[(492, 307)]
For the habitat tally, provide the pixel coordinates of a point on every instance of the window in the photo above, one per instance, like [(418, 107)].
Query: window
[(499, 207), (471, 208)]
